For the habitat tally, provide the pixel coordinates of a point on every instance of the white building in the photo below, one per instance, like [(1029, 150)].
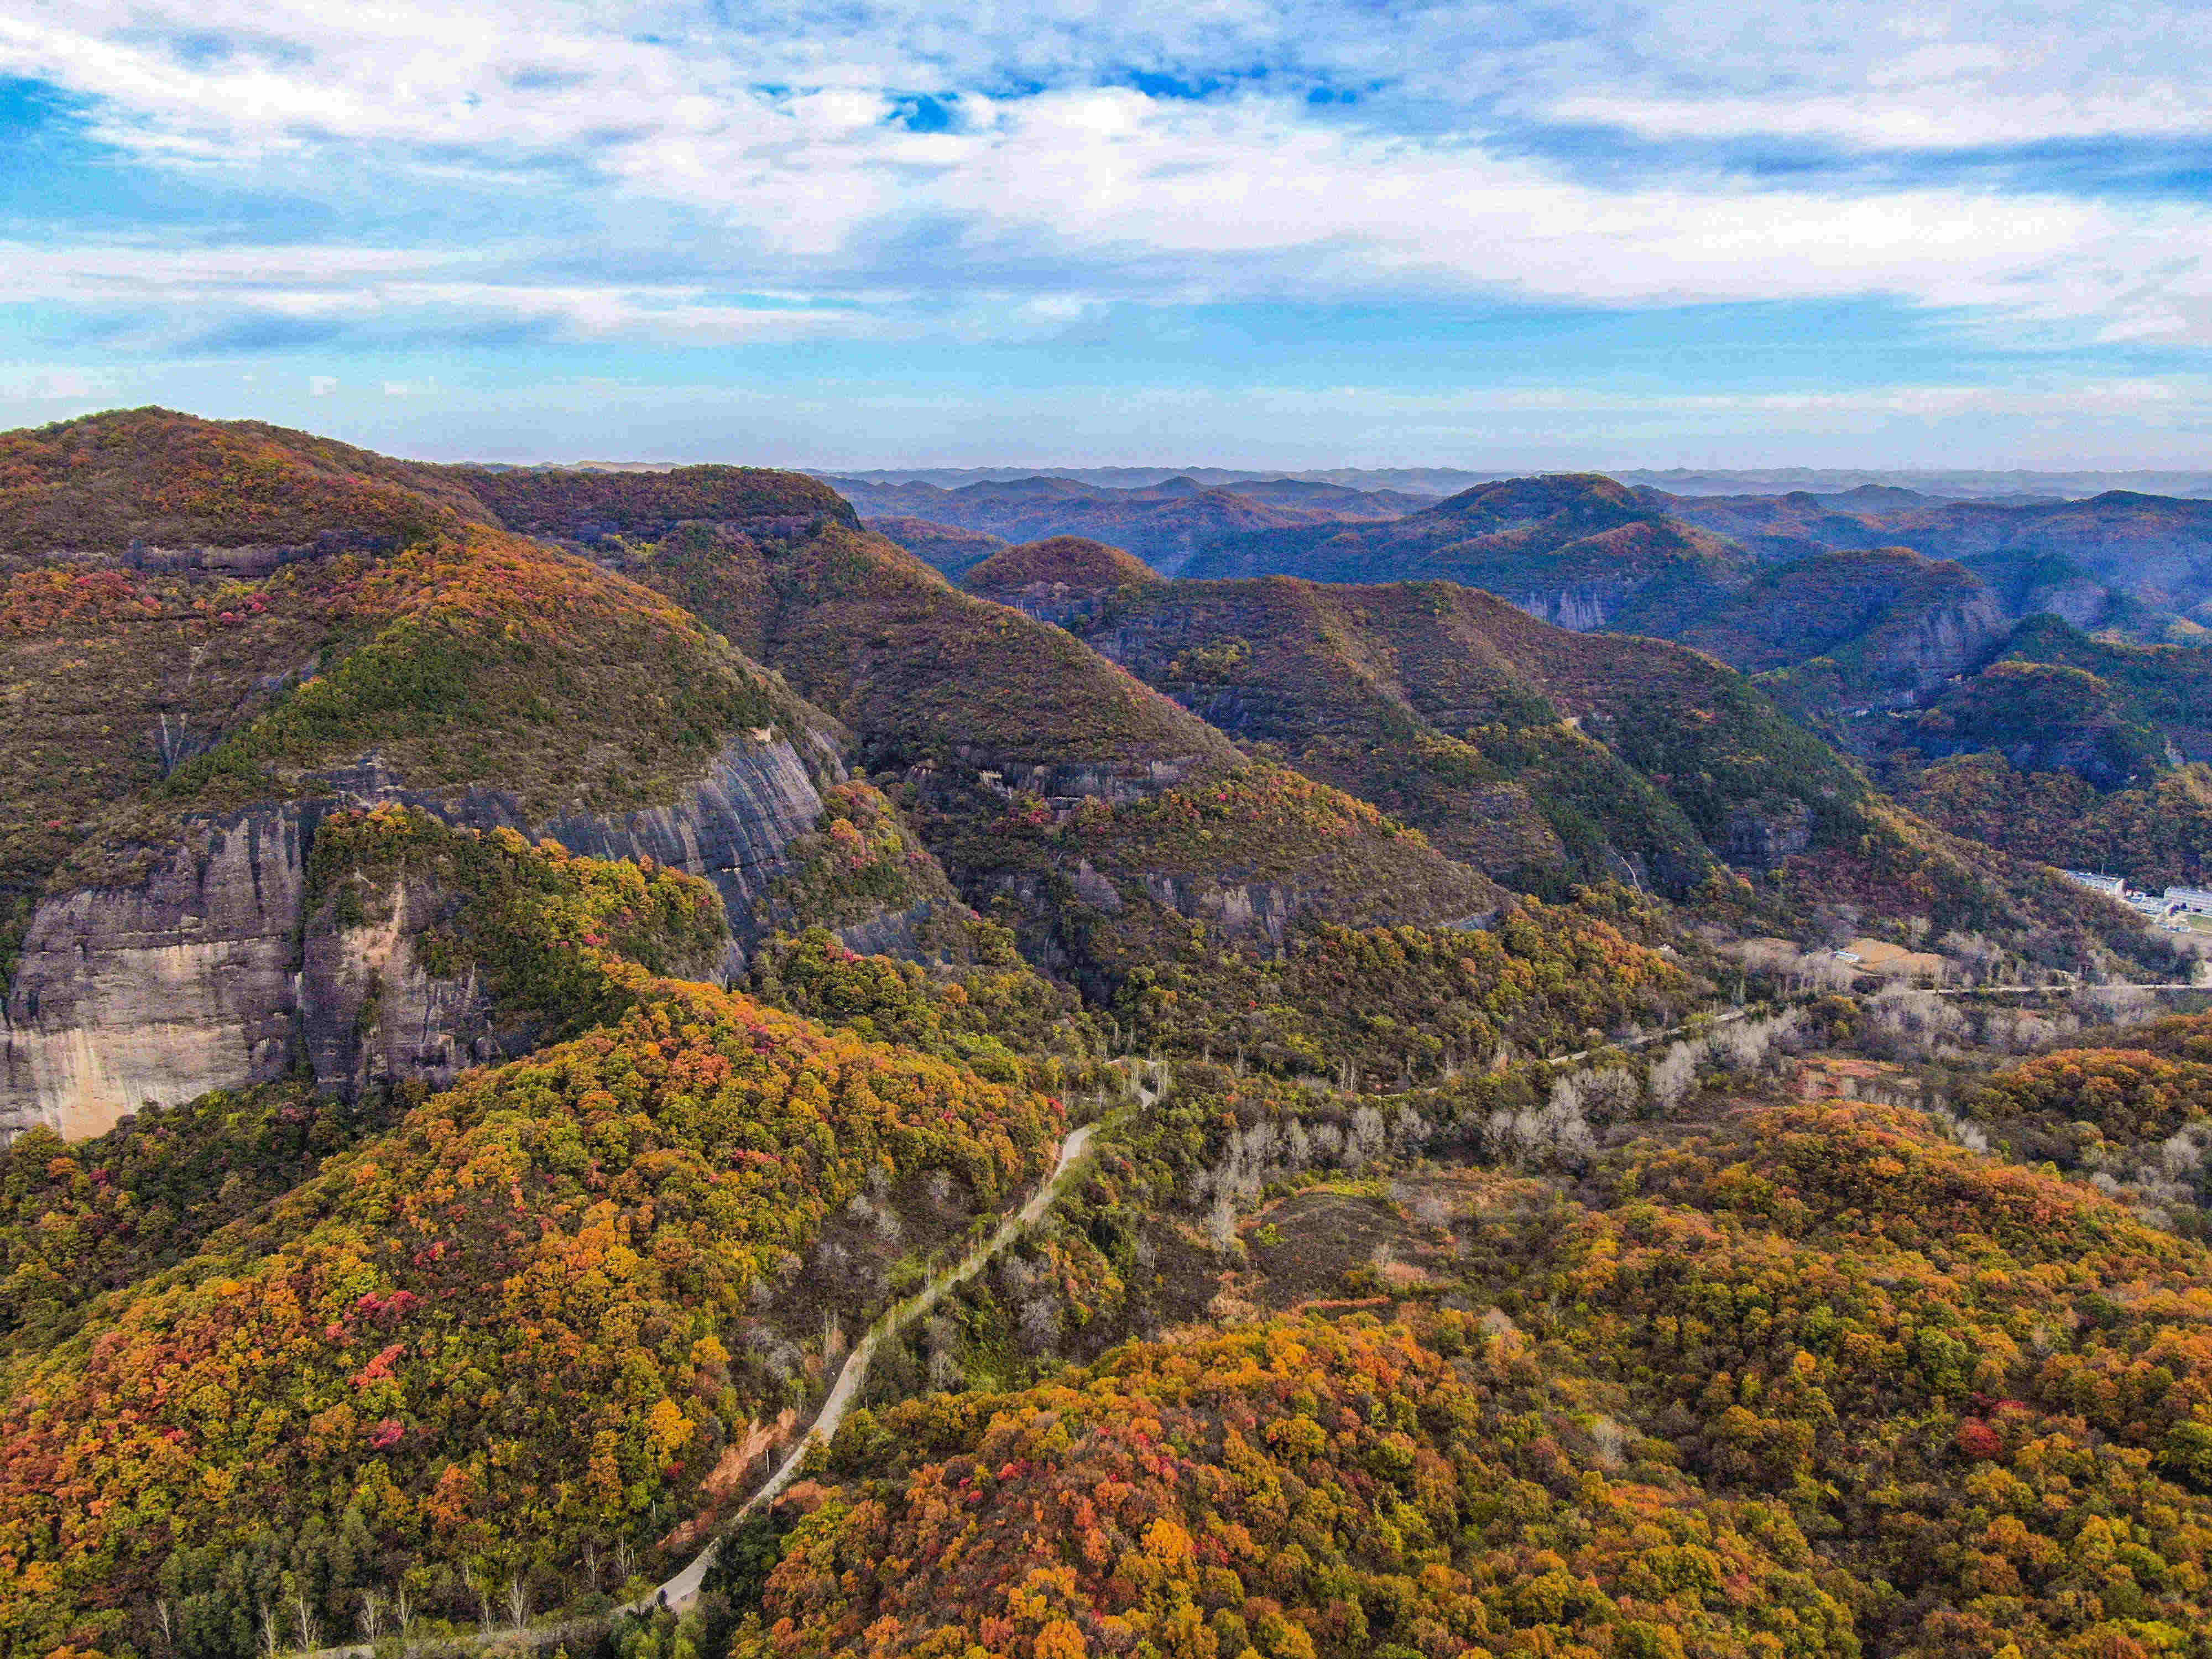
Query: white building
[(2110, 886), (2198, 899)]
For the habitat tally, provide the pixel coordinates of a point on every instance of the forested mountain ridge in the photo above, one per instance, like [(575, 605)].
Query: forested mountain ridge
[(1167, 524), (538, 962)]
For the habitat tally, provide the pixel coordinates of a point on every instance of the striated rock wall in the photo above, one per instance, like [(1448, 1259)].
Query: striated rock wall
[(198, 977), (369, 1014), (1580, 610), (1921, 649)]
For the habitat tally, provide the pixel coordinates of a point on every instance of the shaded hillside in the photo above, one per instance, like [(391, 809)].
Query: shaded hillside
[(1165, 524), (1090, 810), (2087, 753), (2077, 559), (2158, 834), (1406, 696), (2042, 717), (947, 549), (2167, 688), (1549, 757), (1870, 627)]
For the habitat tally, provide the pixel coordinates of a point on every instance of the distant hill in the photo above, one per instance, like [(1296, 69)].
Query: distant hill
[(1938, 484), (1574, 549), (946, 548), (2083, 560), (1060, 580), (1164, 523)]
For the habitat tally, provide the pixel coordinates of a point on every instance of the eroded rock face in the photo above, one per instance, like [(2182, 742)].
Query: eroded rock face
[(375, 1015), (1762, 839), (198, 978), (1928, 648), (1579, 610)]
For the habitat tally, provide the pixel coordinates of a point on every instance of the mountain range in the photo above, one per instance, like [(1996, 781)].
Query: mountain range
[(1285, 1109), (1854, 610), (2015, 486)]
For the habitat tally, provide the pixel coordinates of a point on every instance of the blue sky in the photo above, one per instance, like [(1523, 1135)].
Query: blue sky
[(1295, 233)]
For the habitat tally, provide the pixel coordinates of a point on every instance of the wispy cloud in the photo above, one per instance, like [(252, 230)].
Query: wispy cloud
[(694, 176)]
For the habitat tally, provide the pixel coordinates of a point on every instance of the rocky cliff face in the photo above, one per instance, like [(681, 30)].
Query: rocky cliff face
[(198, 978), (1581, 609), (1920, 650)]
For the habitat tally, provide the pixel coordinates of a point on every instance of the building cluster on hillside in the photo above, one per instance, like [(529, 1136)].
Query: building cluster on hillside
[(2167, 909)]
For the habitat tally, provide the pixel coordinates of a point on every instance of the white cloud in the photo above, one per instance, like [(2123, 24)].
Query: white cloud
[(809, 214), (321, 385), (27, 384)]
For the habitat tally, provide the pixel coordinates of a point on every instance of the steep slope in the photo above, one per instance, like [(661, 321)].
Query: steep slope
[(1091, 810), (181, 725), (1873, 627), (2083, 752), (1405, 696), (479, 945), (1549, 757), (512, 1331), (947, 549), (2167, 688)]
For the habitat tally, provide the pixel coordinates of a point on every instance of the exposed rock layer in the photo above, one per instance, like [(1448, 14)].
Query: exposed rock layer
[(198, 978)]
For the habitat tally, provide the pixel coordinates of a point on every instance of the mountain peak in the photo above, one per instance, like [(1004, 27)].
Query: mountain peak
[(1074, 562)]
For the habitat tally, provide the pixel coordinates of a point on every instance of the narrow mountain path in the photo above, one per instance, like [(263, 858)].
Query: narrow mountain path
[(679, 1590)]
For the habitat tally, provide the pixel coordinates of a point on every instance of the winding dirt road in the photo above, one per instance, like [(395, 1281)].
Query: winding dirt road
[(678, 1591)]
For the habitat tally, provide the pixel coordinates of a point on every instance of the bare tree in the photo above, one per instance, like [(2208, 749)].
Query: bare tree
[(1221, 1224), (1040, 1322), (473, 1580), (518, 1599), (1672, 1074), (372, 1614), (941, 1338), (162, 1614), (303, 1617)]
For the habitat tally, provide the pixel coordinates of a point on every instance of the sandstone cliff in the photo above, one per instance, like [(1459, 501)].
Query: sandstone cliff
[(199, 977)]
